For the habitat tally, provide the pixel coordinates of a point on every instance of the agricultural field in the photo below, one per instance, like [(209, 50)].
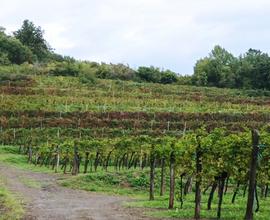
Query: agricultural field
[(153, 148)]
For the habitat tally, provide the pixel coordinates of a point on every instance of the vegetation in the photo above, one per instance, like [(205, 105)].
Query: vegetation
[(128, 129), (10, 207), (222, 69)]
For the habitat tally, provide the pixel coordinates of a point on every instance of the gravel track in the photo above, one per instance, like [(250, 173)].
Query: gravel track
[(49, 201)]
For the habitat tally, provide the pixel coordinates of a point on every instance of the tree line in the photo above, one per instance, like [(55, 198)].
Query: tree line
[(220, 68), (28, 45)]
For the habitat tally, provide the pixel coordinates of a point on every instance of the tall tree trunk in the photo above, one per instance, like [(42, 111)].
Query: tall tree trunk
[(252, 175), (162, 178), (172, 180)]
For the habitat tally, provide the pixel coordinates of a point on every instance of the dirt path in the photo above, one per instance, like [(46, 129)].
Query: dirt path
[(49, 201)]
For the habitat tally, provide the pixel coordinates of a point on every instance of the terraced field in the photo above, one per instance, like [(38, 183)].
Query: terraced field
[(68, 126)]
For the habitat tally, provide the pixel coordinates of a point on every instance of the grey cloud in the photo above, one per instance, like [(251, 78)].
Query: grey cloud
[(166, 33)]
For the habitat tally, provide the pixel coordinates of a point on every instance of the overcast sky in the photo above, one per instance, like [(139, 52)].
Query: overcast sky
[(170, 34)]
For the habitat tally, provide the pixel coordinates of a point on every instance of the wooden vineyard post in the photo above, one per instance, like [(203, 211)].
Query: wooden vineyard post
[(198, 181), (75, 168), (252, 174), (162, 178), (172, 180), (57, 159), (30, 154), (86, 162), (152, 173)]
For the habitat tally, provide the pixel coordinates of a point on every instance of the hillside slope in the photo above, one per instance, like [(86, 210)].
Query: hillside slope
[(114, 108)]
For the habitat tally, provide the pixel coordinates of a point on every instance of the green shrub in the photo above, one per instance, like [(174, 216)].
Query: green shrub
[(64, 69), (87, 74)]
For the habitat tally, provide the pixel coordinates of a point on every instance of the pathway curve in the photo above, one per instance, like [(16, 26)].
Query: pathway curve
[(53, 202)]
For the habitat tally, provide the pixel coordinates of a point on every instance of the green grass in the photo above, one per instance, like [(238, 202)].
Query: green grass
[(158, 208), (9, 155), (128, 182), (124, 183), (10, 205)]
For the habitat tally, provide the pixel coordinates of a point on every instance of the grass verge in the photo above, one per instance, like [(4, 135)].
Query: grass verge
[(10, 205), (10, 155)]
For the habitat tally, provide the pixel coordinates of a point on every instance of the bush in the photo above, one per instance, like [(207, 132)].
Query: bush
[(154, 75), (4, 59), (184, 80), (87, 74), (24, 69), (13, 79), (168, 77), (64, 69), (149, 74), (14, 51)]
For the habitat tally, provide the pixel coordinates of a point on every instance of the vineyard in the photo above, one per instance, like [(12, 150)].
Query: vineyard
[(190, 141)]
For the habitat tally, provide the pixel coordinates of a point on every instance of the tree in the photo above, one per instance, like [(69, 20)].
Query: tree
[(216, 69), (149, 74), (200, 77), (222, 69), (13, 51), (32, 37), (254, 70), (168, 77)]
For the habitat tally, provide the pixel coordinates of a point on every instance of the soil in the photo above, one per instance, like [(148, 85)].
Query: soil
[(49, 201)]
